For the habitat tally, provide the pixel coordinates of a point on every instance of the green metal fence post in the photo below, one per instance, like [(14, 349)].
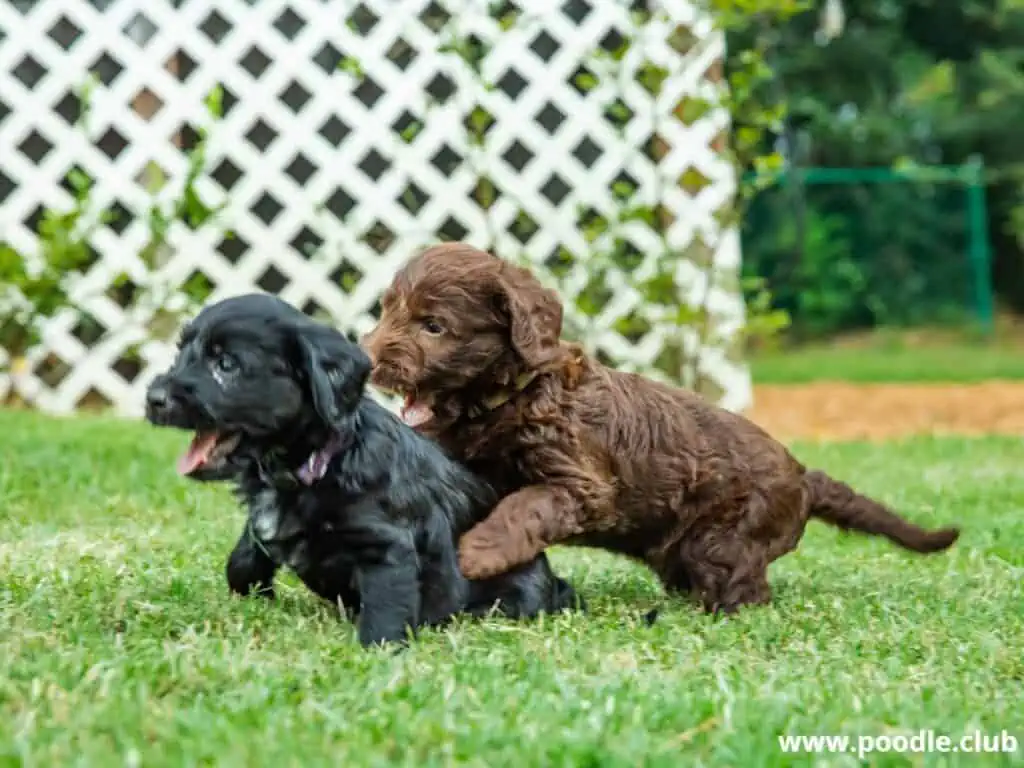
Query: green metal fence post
[(979, 251)]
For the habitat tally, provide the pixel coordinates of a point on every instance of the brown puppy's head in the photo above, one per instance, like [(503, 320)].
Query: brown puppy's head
[(459, 323)]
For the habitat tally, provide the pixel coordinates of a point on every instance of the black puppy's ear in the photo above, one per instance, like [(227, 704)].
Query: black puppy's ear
[(335, 368)]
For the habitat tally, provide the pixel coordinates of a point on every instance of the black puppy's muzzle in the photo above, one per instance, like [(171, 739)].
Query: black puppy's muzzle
[(170, 403)]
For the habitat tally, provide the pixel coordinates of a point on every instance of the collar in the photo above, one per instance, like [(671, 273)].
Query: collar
[(503, 396), (313, 469)]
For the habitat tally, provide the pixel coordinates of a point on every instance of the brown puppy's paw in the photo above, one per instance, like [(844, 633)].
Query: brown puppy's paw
[(478, 560)]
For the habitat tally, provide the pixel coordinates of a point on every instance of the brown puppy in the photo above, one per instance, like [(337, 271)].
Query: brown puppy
[(587, 455)]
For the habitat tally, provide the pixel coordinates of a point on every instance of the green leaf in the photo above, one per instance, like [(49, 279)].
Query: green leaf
[(352, 66), (215, 102), (411, 131), (585, 81)]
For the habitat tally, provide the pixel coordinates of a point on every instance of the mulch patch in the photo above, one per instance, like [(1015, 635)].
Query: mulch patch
[(843, 411)]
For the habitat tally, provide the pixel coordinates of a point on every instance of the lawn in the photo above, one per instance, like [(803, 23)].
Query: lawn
[(897, 356), (119, 643)]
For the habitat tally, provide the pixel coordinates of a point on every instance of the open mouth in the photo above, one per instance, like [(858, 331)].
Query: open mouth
[(413, 413), (208, 450)]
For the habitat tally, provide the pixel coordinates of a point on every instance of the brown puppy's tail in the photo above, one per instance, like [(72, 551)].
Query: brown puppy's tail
[(838, 504)]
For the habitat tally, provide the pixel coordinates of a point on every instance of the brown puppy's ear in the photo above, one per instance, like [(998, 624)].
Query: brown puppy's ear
[(534, 315)]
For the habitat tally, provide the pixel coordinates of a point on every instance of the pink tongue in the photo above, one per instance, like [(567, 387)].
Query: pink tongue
[(198, 452), (415, 414)]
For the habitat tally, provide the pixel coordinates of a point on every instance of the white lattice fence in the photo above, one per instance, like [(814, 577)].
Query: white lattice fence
[(331, 180)]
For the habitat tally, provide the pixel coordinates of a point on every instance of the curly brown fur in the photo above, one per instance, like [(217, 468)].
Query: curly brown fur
[(590, 456), (362, 508)]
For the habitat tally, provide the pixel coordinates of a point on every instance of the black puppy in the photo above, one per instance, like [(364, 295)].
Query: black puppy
[(366, 511)]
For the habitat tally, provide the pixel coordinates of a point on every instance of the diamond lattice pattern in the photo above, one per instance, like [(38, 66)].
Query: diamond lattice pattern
[(331, 175)]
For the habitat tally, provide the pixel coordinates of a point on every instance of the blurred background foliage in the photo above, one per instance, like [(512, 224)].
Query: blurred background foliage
[(894, 83)]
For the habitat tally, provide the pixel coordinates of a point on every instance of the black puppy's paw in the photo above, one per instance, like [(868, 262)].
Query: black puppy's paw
[(382, 639), (249, 571), (257, 589), (525, 592), (389, 590), (243, 584), (566, 598)]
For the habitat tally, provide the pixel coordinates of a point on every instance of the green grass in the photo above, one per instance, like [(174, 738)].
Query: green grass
[(119, 643), (893, 357)]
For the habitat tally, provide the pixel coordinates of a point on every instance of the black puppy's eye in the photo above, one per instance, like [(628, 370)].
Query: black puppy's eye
[(433, 327), (226, 364)]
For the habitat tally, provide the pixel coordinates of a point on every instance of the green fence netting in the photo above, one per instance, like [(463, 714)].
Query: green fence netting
[(844, 249)]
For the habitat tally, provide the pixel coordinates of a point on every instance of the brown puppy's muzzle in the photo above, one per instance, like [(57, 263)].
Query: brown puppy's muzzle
[(394, 361)]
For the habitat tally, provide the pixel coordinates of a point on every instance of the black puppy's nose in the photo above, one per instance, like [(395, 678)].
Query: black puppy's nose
[(157, 396)]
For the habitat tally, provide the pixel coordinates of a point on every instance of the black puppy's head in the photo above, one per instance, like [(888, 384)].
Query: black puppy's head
[(254, 373)]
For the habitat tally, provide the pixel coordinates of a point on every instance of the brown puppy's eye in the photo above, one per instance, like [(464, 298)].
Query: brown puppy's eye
[(433, 327)]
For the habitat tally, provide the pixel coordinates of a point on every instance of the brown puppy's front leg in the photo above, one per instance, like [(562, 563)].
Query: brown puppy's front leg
[(517, 530)]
